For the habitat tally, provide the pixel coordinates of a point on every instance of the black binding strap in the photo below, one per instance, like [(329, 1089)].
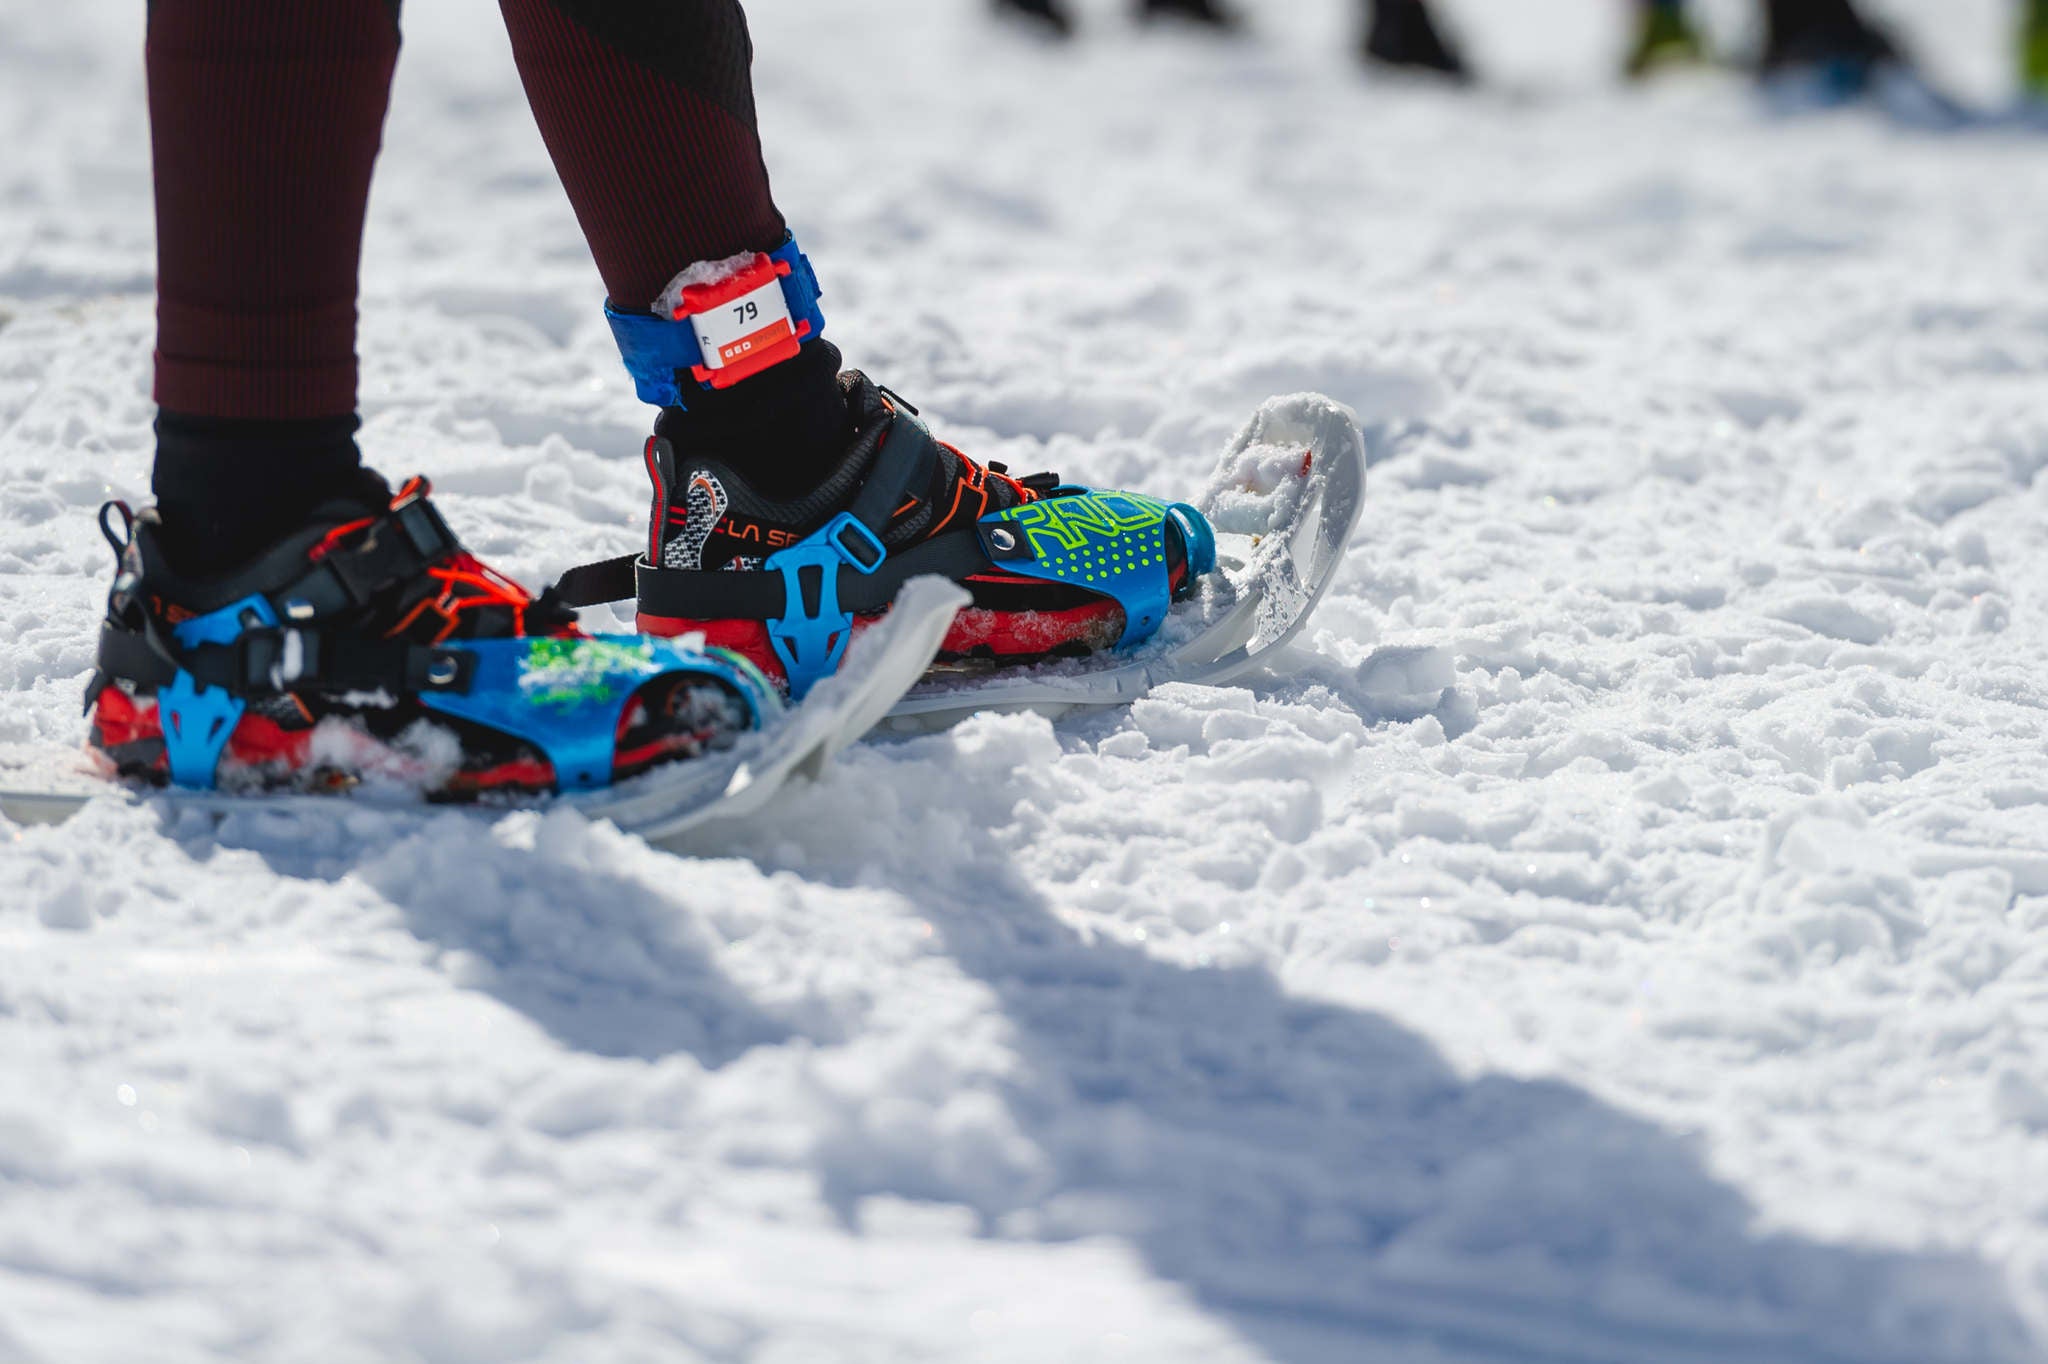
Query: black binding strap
[(686, 594), (907, 448), (267, 661), (272, 659), (395, 548), (595, 584)]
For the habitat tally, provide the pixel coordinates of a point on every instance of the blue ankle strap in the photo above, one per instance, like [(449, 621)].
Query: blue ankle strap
[(659, 351)]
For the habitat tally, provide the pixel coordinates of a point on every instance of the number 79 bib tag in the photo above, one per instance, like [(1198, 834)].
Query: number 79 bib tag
[(742, 322)]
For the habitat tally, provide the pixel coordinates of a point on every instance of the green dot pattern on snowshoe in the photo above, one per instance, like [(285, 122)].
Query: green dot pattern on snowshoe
[(1113, 543), (1094, 537), (570, 672)]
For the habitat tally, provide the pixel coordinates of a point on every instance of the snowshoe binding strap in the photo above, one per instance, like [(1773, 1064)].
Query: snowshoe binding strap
[(246, 640), (808, 593)]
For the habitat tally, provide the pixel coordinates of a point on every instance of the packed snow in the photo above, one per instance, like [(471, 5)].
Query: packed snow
[(1606, 935)]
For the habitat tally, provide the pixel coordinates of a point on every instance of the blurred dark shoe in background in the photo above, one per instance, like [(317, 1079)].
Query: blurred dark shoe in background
[(1821, 54), (1822, 51), (1400, 33), (1048, 16), (1665, 38), (2034, 50), (1208, 13)]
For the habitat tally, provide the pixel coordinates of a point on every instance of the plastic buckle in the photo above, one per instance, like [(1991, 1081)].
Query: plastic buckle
[(809, 641), (196, 719), (862, 548)]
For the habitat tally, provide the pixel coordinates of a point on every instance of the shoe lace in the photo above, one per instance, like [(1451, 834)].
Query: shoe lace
[(1025, 492), (467, 584)]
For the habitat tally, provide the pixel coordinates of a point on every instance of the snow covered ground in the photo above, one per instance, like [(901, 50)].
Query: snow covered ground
[(1609, 937)]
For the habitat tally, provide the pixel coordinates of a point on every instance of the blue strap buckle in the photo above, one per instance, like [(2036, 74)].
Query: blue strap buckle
[(198, 720), (811, 635)]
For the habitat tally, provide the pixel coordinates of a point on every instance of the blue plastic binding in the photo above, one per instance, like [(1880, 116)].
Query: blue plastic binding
[(1109, 543), (562, 696), (197, 720), (565, 696), (810, 643)]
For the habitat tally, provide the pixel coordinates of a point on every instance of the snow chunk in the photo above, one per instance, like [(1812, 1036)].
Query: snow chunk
[(1835, 617), (247, 1114), (698, 276), (1406, 682)]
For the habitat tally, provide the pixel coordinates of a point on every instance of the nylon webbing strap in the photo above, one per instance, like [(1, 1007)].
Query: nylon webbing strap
[(907, 449), (595, 584), (683, 595), (397, 547), (269, 661)]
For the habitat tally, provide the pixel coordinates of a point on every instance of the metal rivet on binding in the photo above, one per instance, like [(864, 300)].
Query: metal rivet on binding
[(1002, 539), (443, 670)]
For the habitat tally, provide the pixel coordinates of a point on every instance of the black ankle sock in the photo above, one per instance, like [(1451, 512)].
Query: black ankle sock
[(228, 489), (784, 431)]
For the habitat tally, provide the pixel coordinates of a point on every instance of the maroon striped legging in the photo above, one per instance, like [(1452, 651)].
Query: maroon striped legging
[(265, 118)]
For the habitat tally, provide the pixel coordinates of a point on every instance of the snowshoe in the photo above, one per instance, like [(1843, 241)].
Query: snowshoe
[(1053, 570), (368, 646)]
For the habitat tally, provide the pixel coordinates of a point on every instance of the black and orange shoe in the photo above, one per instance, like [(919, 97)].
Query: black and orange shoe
[(368, 644), (1053, 570)]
